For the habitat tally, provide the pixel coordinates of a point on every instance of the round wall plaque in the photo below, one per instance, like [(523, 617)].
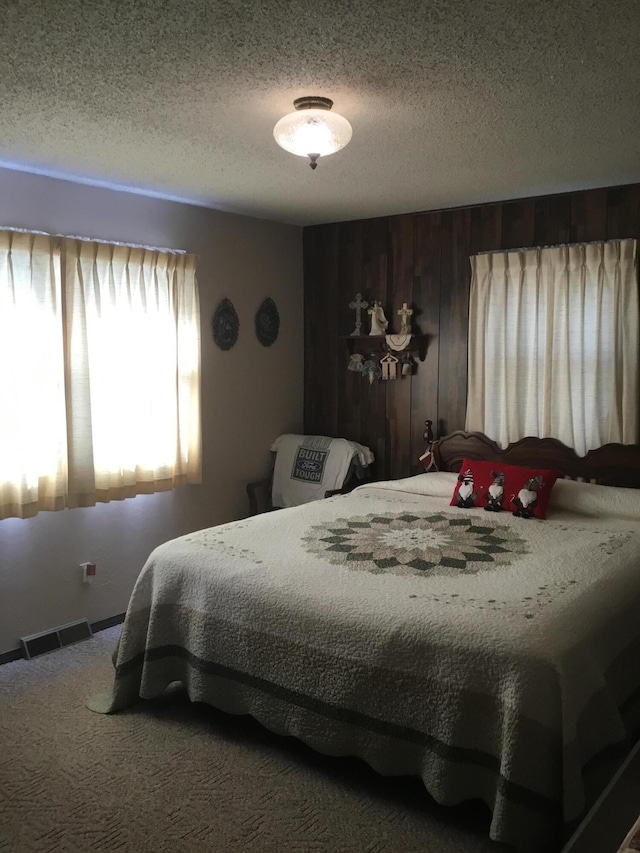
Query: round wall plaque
[(267, 322), (225, 324)]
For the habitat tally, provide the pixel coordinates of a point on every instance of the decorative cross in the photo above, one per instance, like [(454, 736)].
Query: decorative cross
[(405, 318), (358, 304)]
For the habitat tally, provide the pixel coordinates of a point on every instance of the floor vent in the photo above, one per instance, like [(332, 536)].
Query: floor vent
[(49, 641)]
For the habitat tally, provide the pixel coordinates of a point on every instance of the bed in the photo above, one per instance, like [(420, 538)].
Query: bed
[(491, 655)]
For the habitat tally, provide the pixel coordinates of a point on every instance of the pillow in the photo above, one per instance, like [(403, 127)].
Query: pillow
[(496, 487)]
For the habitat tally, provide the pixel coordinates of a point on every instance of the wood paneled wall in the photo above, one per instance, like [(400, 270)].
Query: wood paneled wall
[(422, 259)]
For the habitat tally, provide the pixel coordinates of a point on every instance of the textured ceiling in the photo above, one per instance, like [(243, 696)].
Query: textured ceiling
[(451, 102)]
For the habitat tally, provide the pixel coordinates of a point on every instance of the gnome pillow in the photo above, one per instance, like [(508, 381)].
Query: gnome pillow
[(497, 487)]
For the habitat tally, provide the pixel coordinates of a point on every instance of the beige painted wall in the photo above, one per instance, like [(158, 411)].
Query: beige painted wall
[(250, 394)]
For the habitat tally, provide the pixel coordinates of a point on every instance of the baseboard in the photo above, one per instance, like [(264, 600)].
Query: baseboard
[(100, 625), (109, 622), (7, 657)]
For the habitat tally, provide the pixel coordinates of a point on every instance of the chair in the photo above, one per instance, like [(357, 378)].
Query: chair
[(307, 468)]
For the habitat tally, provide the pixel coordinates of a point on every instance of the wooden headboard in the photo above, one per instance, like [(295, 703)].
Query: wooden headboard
[(610, 465)]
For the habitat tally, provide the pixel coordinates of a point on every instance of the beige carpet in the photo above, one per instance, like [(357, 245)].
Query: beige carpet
[(171, 776)]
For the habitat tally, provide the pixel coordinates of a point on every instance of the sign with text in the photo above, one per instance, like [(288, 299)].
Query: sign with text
[(309, 464)]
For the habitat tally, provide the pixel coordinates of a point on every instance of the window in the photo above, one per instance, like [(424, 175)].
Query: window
[(99, 372), (553, 345)]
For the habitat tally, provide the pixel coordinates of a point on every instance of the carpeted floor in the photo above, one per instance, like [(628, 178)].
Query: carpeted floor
[(171, 776)]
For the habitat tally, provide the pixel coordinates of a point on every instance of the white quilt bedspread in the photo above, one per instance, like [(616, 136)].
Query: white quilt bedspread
[(492, 656)]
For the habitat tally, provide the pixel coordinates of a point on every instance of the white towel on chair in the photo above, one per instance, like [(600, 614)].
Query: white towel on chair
[(307, 466)]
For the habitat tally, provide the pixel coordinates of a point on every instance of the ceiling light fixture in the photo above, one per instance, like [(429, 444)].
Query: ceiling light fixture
[(312, 130)]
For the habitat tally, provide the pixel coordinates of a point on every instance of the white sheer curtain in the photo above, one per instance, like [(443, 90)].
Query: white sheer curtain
[(133, 371), (554, 345), (33, 460), (99, 375)]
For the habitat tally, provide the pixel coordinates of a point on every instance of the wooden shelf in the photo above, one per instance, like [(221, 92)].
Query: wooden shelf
[(377, 343)]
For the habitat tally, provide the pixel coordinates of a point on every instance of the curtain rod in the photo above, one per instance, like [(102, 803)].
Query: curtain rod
[(94, 240), (554, 246)]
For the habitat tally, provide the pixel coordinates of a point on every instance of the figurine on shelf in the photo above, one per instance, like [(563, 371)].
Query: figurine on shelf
[(358, 305), (407, 365), (379, 322), (389, 366), (371, 368), (356, 363), (405, 313)]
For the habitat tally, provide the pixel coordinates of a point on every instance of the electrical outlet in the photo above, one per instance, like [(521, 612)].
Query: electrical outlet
[(88, 572)]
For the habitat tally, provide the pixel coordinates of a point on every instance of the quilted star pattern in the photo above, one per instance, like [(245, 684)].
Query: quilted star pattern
[(408, 543)]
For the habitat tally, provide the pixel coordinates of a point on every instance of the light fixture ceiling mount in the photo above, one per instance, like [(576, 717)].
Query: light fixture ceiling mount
[(309, 102), (312, 131)]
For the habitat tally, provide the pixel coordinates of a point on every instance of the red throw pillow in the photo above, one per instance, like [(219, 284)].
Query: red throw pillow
[(497, 487)]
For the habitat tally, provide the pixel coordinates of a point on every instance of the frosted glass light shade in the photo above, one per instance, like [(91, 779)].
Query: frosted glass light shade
[(312, 130)]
